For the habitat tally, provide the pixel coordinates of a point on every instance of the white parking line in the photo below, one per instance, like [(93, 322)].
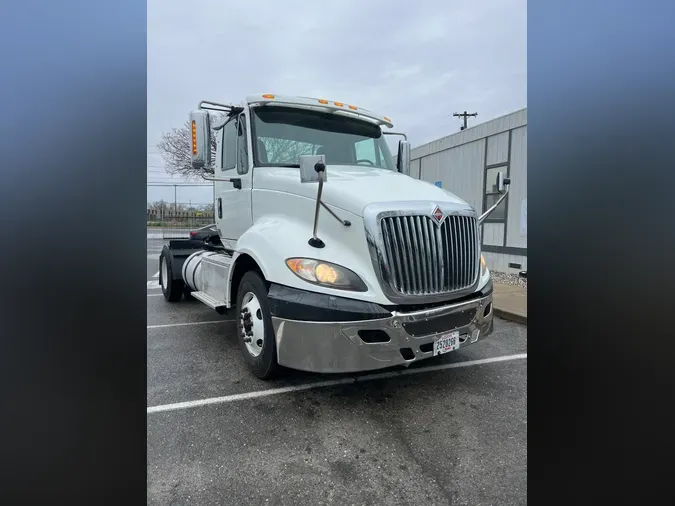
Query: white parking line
[(153, 285), (156, 274), (186, 324), (329, 383), (155, 295)]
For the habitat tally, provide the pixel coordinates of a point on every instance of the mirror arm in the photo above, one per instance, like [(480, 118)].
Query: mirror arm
[(315, 242), (229, 109), (344, 222), (487, 213), (224, 179), (396, 133)]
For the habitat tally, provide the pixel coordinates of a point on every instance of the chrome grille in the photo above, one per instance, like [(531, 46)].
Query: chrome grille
[(423, 258)]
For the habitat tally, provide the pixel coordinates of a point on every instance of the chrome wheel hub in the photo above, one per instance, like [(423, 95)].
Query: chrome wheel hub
[(252, 324)]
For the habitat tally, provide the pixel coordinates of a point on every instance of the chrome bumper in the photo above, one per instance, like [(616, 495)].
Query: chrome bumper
[(335, 347)]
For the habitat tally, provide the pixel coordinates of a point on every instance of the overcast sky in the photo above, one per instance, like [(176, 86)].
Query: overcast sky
[(416, 62)]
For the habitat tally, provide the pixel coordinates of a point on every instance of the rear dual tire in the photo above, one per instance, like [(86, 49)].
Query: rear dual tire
[(172, 289)]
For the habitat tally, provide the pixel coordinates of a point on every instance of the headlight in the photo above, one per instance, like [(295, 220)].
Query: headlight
[(326, 274), (483, 266)]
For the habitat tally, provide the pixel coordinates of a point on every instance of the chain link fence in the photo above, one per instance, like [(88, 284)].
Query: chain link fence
[(170, 224)]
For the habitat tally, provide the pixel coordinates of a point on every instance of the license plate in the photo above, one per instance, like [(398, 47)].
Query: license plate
[(446, 343)]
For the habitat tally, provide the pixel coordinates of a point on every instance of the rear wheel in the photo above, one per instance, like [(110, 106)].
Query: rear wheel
[(254, 326), (172, 289)]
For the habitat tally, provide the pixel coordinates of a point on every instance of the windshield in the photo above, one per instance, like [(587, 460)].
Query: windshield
[(282, 134)]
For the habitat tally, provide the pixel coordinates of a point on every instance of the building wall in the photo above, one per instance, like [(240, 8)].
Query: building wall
[(460, 163)]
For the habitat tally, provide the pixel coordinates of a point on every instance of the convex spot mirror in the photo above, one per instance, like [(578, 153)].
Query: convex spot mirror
[(502, 182), (308, 173)]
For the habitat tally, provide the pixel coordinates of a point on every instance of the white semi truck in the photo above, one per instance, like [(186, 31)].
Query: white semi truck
[(330, 256)]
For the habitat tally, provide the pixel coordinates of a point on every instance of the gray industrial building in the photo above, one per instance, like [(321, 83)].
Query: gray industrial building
[(467, 163)]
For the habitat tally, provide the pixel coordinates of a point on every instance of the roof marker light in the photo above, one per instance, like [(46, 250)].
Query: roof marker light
[(268, 96), (387, 119), (322, 101), (352, 107), (339, 104)]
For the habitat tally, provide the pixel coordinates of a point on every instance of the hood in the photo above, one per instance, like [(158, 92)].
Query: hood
[(353, 188)]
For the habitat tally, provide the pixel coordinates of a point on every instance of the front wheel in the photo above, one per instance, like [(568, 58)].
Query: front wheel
[(254, 326)]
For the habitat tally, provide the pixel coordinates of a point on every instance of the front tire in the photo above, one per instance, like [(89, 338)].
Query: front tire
[(254, 326)]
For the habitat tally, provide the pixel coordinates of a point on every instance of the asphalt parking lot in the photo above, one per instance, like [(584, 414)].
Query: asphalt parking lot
[(451, 430)]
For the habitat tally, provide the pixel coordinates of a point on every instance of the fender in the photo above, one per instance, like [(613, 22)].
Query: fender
[(276, 237)]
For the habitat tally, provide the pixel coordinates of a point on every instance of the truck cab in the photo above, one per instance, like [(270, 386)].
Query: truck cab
[(330, 256)]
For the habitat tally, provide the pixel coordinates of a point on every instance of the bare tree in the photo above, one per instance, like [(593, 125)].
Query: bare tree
[(158, 206), (286, 150), (174, 147)]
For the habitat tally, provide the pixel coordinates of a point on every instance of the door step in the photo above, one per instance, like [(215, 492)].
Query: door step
[(215, 304)]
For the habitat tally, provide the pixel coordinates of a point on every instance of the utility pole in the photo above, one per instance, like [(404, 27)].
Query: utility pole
[(175, 201), (465, 115)]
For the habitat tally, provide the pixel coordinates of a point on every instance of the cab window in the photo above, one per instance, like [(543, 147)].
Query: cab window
[(242, 146), (229, 145), (368, 152)]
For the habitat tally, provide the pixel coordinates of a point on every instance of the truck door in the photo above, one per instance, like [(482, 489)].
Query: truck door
[(233, 199)]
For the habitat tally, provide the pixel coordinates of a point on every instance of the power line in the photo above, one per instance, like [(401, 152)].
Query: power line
[(465, 115)]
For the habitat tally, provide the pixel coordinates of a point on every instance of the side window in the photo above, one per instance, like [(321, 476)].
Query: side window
[(242, 146), (365, 150), (383, 159), (229, 145), (218, 160)]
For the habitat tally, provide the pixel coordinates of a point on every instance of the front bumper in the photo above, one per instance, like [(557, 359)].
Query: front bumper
[(356, 345)]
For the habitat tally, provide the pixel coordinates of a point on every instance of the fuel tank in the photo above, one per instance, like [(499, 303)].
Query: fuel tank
[(192, 269)]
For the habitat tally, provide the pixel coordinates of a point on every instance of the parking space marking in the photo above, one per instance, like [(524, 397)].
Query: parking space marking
[(153, 285), (155, 294), (329, 383), (186, 324), (156, 274)]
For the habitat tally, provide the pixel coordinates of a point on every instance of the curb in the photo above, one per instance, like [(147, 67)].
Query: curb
[(508, 315)]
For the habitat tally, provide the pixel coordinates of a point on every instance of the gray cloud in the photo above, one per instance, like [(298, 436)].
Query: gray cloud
[(416, 62)]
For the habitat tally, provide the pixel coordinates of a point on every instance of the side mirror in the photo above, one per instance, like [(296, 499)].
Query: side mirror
[(200, 149), (313, 169), (502, 182), (308, 173), (403, 158)]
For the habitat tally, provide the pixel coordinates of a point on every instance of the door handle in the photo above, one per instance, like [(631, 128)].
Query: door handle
[(220, 207), (236, 182)]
